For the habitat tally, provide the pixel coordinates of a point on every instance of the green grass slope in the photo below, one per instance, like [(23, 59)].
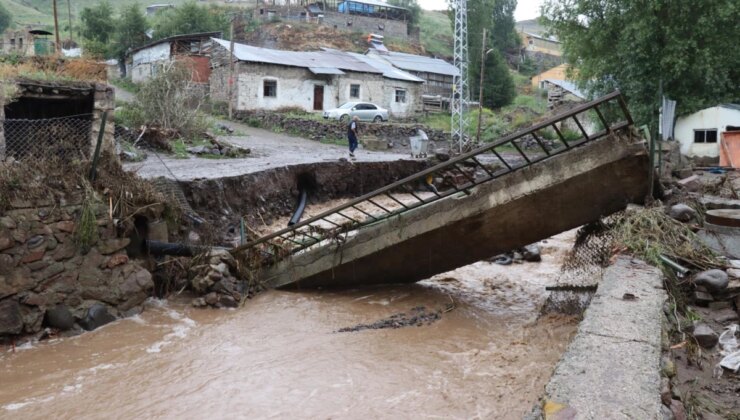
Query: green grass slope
[(436, 33)]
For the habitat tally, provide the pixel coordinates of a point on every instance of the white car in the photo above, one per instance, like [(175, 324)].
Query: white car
[(364, 110)]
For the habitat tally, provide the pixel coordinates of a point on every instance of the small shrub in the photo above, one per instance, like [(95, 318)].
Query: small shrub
[(254, 122)]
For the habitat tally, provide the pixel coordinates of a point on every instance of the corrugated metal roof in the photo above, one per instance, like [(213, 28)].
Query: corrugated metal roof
[(569, 86), (326, 59), (325, 70), (388, 70), (736, 107), (376, 3), (419, 63), (177, 38)]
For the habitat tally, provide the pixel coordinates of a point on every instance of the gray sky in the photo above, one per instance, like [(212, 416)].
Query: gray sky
[(525, 9)]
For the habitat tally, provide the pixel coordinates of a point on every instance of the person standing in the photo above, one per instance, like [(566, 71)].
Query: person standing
[(352, 131)]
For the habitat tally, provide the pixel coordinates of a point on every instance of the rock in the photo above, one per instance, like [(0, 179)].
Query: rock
[(667, 367), (59, 317), (725, 316), (33, 256), (734, 273), (531, 253), (197, 150), (665, 391), (33, 299), (97, 316), (67, 226), (7, 222), (35, 242), (112, 245), (702, 298), (705, 336), (11, 321), (201, 284), (691, 184), (666, 413), (227, 301), (714, 280), (682, 213), (199, 302), (32, 317), (678, 410), (717, 306), (6, 263), (65, 252), (117, 260), (211, 298), (5, 242), (52, 243)]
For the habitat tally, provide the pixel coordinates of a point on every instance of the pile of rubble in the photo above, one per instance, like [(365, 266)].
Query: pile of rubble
[(217, 282)]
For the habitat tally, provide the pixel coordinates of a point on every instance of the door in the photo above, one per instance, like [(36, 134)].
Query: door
[(318, 97)]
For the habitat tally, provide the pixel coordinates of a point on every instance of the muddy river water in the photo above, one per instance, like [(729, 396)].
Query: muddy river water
[(279, 356)]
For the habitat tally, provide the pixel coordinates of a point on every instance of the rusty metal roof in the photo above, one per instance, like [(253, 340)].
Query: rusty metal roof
[(316, 59)]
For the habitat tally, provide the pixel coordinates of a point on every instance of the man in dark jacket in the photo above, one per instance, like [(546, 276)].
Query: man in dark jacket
[(352, 131)]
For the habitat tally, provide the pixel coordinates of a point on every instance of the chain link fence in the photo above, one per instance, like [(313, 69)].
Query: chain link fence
[(64, 138)]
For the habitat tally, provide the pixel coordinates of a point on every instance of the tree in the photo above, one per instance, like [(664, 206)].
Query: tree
[(497, 17), (687, 46), (97, 23), (130, 33), (414, 11), (190, 18), (6, 19), (498, 86)]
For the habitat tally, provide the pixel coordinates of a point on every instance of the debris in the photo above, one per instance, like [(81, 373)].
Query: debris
[(705, 335), (730, 348), (97, 316), (418, 316), (59, 317), (531, 253), (692, 183)]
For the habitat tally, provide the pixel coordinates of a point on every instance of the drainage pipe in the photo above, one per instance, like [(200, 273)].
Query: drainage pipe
[(301, 207), (158, 248)]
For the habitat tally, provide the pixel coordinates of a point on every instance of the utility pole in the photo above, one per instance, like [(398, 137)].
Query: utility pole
[(460, 81), (56, 29), (69, 14), (231, 69), (480, 83)]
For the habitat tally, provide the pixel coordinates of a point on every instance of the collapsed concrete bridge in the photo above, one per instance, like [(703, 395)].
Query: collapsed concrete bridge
[(469, 208)]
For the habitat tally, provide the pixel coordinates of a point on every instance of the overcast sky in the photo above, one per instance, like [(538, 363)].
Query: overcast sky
[(525, 9)]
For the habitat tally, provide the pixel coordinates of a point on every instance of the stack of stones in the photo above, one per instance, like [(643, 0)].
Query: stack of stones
[(47, 282), (216, 282)]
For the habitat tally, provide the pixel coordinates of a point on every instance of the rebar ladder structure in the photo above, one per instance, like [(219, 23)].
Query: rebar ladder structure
[(606, 115)]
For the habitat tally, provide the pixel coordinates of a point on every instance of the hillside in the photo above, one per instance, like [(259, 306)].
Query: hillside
[(436, 34), (531, 26)]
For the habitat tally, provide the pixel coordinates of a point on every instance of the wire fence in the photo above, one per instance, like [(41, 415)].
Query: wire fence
[(63, 138)]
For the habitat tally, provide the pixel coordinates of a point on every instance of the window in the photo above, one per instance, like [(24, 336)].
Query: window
[(270, 89), (705, 136), (20, 43), (354, 91), (401, 96)]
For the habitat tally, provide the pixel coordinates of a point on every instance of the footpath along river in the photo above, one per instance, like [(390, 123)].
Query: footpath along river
[(280, 355)]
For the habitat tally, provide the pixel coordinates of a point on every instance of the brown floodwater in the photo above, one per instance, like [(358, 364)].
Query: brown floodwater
[(279, 356)]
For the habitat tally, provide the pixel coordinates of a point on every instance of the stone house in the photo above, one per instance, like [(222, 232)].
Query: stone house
[(192, 49), (26, 42), (541, 44), (267, 79)]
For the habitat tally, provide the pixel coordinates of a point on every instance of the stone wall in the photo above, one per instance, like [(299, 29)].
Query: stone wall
[(47, 280), (390, 27), (330, 129)]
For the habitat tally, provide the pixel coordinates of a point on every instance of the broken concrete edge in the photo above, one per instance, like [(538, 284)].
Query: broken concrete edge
[(613, 369)]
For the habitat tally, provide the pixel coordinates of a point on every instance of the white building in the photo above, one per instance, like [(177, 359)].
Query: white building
[(194, 49), (267, 79), (700, 132)]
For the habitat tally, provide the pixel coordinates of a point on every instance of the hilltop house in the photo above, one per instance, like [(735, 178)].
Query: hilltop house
[(267, 79), (701, 133), (192, 49), (541, 44), (26, 42)]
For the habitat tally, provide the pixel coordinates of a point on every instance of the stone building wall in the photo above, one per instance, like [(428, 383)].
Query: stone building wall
[(390, 27), (46, 278)]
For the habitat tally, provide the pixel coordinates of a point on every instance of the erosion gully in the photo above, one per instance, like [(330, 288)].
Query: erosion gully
[(484, 351)]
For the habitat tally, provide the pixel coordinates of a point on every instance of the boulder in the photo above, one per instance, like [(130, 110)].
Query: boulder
[(11, 321), (112, 245), (678, 410), (531, 253), (714, 280), (59, 317), (682, 213), (705, 335), (97, 316)]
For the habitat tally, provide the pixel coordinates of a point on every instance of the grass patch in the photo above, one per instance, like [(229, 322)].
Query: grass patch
[(436, 33), (125, 84)]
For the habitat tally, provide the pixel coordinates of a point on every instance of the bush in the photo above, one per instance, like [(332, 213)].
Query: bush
[(130, 115), (171, 101)]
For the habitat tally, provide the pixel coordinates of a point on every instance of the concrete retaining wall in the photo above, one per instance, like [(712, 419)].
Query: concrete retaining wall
[(611, 370)]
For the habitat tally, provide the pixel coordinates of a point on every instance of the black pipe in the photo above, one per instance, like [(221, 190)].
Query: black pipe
[(301, 207), (158, 248)]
